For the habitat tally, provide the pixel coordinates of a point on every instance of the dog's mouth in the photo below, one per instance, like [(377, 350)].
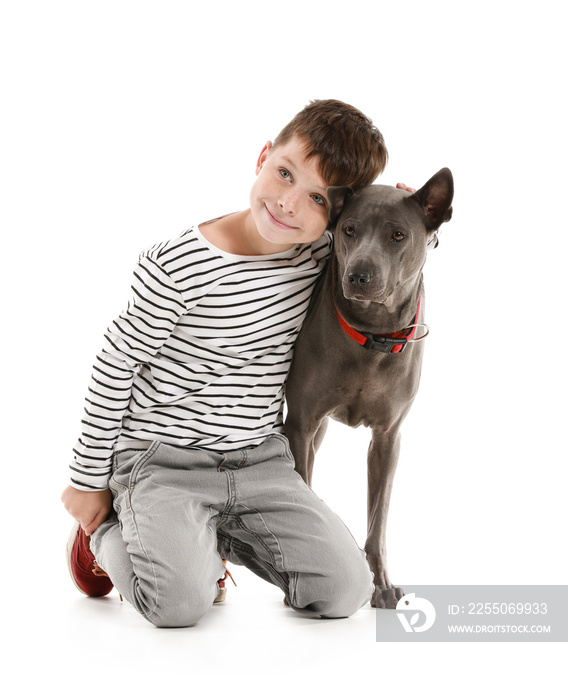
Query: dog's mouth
[(374, 297)]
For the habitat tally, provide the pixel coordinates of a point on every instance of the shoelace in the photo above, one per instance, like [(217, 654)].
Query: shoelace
[(221, 581), (98, 571)]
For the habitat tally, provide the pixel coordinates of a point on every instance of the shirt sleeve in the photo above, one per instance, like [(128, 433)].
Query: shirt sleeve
[(131, 340)]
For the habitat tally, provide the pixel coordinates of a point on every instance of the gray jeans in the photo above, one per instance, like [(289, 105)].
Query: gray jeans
[(179, 511)]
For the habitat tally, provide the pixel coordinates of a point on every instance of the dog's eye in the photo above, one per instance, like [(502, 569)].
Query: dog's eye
[(349, 230), (398, 236)]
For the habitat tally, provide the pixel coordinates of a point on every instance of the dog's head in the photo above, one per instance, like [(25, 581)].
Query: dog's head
[(381, 234)]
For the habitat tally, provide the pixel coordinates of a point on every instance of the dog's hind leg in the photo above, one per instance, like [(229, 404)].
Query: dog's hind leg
[(381, 466)]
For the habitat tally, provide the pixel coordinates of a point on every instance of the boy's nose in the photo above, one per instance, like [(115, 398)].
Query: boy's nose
[(288, 202)]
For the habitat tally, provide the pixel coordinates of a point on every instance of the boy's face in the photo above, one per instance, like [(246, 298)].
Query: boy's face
[(288, 199)]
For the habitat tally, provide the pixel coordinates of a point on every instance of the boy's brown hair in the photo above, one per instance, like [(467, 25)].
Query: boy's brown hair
[(351, 150)]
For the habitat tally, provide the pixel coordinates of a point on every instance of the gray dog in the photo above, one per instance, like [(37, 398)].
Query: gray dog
[(356, 358)]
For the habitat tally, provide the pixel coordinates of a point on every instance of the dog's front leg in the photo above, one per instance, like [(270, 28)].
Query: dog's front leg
[(381, 466), (304, 440)]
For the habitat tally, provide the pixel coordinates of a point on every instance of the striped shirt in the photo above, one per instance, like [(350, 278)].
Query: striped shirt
[(200, 355)]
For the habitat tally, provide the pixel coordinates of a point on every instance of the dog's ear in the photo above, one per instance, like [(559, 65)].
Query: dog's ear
[(435, 199), (336, 197)]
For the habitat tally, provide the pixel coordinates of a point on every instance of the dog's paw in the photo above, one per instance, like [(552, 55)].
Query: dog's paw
[(386, 597)]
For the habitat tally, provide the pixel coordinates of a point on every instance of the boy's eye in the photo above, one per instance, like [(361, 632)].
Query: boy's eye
[(318, 199), (285, 174)]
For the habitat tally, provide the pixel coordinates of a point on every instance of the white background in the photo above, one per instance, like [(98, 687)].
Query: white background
[(124, 122)]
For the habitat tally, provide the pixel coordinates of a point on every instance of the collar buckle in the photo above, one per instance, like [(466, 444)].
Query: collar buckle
[(384, 343)]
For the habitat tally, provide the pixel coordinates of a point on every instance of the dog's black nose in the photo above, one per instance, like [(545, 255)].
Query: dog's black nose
[(359, 279)]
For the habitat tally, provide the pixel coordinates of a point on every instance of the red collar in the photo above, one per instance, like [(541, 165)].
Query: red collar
[(382, 343)]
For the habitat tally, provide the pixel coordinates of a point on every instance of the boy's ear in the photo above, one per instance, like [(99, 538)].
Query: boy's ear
[(336, 197), (263, 156), (435, 199)]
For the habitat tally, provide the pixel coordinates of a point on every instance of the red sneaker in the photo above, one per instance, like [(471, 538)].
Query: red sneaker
[(86, 574)]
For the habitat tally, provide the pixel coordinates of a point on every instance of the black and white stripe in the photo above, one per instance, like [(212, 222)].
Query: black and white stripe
[(200, 355)]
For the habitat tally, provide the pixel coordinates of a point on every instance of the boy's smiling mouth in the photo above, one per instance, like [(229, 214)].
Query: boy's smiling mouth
[(277, 222)]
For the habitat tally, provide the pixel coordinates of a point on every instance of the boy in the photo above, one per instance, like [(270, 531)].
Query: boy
[(183, 423)]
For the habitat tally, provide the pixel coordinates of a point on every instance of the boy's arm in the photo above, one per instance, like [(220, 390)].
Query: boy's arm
[(134, 338)]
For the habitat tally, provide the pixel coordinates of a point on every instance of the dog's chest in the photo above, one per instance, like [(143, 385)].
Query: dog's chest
[(369, 393)]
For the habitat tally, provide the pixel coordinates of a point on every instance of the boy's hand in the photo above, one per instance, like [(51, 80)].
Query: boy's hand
[(90, 508), (402, 186)]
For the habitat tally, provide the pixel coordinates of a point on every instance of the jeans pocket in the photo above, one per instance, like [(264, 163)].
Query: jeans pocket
[(287, 451), (127, 463)]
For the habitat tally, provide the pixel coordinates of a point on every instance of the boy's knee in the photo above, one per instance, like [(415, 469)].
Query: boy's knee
[(340, 593), (178, 605), (181, 613), (177, 616)]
